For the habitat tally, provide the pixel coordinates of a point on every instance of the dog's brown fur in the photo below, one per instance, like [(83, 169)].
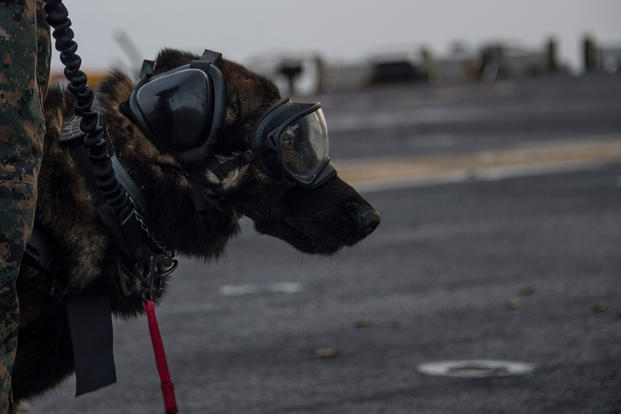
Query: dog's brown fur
[(315, 221)]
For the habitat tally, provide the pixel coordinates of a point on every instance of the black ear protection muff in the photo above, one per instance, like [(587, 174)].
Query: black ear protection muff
[(180, 110)]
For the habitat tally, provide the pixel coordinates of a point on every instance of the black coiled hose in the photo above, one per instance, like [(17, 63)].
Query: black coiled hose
[(94, 140)]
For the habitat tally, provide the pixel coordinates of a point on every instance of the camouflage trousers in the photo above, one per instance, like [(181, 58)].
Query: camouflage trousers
[(25, 57)]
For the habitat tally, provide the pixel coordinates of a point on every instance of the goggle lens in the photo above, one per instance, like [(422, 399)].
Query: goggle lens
[(304, 145)]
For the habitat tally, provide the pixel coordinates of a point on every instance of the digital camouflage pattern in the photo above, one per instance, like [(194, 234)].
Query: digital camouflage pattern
[(25, 59)]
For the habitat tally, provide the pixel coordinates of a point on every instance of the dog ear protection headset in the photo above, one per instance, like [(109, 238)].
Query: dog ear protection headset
[(181, 110)]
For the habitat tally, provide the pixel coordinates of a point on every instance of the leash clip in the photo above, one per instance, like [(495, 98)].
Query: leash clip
[(155, 273), (248, 156)]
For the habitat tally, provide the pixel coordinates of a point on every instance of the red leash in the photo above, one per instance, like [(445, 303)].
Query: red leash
[(168, 388)]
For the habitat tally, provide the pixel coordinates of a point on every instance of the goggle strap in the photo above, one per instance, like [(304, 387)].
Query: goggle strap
[(215, 167), (242, 159), (261, 211)]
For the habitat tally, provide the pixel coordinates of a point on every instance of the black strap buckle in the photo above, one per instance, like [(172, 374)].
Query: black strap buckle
[(71, 132), (248, 156), (155, 271), (208, 58), (211, 56), (147, 68)]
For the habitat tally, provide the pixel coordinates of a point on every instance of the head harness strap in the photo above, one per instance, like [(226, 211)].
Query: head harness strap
[(209, 57)]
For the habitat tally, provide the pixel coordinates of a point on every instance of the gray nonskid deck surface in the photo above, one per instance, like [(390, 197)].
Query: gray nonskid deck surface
[(434, 280)]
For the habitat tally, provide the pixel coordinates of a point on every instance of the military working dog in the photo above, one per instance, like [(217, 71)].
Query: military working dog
[(318, 220)]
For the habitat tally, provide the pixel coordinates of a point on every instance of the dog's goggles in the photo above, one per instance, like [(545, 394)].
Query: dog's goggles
[(298, 135)]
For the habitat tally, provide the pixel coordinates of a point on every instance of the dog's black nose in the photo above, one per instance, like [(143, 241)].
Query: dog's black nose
[(365, 217)]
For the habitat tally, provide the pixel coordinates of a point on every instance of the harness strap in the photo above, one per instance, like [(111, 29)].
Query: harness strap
[(198, 183), (90, 327), (147, 68), (209, 57), (128, 184)]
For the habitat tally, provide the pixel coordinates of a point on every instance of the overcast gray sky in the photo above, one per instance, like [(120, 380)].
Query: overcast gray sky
[(340, 29)]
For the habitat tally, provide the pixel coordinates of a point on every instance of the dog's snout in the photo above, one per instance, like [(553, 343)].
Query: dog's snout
[(365, 217)]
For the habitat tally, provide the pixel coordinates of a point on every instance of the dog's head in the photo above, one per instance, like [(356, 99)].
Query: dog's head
[(319, 218)]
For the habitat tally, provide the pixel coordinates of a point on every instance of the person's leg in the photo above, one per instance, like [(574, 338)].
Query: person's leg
[(21, 143), (9, 320)]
